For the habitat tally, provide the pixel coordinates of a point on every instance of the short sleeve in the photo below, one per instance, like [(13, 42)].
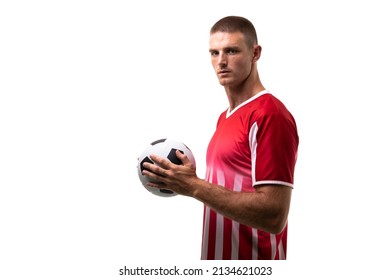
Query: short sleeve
[(274, 146)]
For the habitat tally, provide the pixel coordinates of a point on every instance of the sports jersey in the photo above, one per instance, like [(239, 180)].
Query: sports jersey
[(254, 144)]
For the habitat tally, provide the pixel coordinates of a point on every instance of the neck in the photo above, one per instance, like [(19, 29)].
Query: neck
[(241, 93)]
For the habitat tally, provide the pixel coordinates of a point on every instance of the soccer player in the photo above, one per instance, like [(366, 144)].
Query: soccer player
[(250, 158)]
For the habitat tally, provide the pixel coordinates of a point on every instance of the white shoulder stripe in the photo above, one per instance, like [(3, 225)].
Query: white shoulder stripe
[(253, 147)]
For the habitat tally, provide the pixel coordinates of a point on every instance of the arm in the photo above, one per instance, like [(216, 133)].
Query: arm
[(266, 209)]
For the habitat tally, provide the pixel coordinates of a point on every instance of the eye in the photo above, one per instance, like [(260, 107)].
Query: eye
[(213, 53), (231, 51)]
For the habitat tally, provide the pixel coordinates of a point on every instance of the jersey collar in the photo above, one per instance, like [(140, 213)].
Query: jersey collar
[(229, 113)]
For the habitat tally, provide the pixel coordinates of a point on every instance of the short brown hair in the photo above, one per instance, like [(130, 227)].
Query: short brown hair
[(231, 24)]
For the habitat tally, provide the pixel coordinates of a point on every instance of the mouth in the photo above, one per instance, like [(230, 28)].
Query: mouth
[(223, 72)]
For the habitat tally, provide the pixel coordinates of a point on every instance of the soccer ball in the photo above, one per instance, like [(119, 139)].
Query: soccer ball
[(164, 148)]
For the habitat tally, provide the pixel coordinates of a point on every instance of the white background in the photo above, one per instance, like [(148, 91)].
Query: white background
[(86, 85)]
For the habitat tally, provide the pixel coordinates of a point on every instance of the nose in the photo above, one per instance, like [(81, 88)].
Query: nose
[(222, 60)]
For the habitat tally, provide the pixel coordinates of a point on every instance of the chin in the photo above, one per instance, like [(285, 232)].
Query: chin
[(227, 84), (224, 82)]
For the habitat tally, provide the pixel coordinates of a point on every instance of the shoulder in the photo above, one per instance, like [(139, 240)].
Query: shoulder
[(270, 114), (267, 105)]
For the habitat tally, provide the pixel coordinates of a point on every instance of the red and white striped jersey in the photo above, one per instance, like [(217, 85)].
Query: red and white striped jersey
[(254, 144)]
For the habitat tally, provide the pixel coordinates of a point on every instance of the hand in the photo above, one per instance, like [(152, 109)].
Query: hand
[(178, 178)]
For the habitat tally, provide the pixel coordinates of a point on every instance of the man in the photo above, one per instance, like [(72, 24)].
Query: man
[(250, 159)]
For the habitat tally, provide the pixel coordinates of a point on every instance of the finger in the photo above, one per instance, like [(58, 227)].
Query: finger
[(158, 185), (163, 162), (182, 156), (155, 179), (153, 170)]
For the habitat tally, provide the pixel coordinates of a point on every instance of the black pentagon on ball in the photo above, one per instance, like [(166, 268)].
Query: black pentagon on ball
[(173, 158), (146, 159), (158, 141), (166, 191)]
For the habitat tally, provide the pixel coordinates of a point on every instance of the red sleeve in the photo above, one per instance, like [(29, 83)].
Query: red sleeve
[(274, 149)]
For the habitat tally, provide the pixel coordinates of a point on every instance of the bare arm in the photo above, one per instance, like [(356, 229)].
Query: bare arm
[(266, 209)]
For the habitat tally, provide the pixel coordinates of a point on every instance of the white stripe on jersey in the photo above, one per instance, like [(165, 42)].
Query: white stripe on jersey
[(219, 238), (237, 187), (235, 240), (273, 245), (282, 255), (206, 233), (255, 241), (253, 146), (219, 229), (206, 225)]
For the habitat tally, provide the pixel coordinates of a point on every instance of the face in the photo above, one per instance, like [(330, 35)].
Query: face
[(231, 58)]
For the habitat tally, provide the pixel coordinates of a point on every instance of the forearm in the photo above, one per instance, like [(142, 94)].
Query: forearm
[(266, 208), (250, 208)]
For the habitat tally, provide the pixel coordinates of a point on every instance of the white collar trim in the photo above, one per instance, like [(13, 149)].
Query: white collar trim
[(229, 113)]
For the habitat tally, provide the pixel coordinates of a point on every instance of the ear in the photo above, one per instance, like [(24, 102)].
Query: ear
[(256, 53)]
